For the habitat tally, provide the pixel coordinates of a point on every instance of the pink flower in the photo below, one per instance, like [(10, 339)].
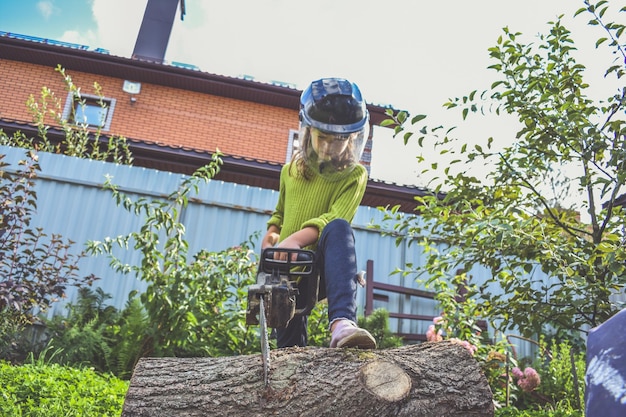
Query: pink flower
[(467, 345), (433, 335), (437, 319), (528, 380)]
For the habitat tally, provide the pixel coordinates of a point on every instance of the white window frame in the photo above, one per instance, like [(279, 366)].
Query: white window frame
[(72, 104), (293, 145)]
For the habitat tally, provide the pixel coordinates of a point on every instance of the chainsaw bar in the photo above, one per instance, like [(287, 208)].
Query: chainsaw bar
[(272, 300), (265, 343)]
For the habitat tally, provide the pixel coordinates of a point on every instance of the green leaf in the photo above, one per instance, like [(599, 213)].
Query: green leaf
[(418, 118)]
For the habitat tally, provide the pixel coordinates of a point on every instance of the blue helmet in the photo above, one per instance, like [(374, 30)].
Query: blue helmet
[(333, 105), (332, 110)]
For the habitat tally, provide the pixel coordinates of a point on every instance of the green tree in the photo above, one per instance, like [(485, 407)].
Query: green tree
[(548, 271), (194, 304)]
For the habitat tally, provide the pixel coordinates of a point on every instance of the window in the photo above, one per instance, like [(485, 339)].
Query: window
[(91, 110)]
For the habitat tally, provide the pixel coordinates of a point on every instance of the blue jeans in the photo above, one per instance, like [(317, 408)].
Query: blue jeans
[(336, 264)]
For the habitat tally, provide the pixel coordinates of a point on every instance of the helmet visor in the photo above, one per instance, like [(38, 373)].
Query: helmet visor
[(330, 146), (330, 153)]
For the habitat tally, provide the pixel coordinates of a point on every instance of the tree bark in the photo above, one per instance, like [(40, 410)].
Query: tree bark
[(429, 379)]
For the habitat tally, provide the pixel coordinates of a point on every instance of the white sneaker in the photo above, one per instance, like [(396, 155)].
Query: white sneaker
[(348, 335)]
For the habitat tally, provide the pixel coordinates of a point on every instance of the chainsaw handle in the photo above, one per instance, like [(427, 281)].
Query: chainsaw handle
[(301, 255), (304, 264)]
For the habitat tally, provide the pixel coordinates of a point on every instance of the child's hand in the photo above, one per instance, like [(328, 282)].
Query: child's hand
[(270, 240), (288, 243)]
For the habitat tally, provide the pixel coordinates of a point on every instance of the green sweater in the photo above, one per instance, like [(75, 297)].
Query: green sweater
[(317, 201)]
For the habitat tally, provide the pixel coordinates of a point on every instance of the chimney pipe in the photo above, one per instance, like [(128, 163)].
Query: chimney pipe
[(155, 30)]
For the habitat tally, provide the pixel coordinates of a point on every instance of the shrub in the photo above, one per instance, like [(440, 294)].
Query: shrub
[(514, 412), (377, 324), (78, 139), (35, 268), (38, 389), (318, 332), (562, 373), (85, 336), (560, 391)]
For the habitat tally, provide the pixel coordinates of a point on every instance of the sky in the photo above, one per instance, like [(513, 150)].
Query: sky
[(412, 55)]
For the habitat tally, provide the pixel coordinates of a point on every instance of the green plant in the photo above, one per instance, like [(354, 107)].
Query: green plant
[(377, 324), (84, 337), (35, 268), (318, 331), (562, 371), (14, 342), (96, 335), (129, 338), (559, 372), (514, 412), (194, 304), (39, 389)]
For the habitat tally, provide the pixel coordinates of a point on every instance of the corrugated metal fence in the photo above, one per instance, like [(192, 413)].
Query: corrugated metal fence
[(72, 203)]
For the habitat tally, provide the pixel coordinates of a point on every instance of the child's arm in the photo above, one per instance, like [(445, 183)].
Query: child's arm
[(300, 239)]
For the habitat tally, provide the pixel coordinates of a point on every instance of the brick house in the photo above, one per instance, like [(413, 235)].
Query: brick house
[(174, 116)]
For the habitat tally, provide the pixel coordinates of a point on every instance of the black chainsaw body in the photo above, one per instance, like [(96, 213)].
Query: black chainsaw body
[(279, 283)]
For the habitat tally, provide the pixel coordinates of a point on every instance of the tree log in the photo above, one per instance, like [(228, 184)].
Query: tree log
[(429, 379)]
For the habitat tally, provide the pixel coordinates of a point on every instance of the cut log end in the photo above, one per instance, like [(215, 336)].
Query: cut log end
[(385, 380)]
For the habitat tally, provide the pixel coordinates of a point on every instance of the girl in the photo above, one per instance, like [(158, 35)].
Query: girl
[(320, 191)]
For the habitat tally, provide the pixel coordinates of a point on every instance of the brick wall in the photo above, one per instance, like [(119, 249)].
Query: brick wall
[(161, 114)]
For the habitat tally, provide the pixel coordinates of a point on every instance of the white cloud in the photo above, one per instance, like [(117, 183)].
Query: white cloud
[(117, 24), (83, 38), (45, 8), (411, 54)]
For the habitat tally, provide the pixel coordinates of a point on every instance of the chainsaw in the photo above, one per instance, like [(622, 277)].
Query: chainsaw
[(272, 300)]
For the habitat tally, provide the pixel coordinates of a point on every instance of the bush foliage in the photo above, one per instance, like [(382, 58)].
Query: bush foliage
[(37, 389)]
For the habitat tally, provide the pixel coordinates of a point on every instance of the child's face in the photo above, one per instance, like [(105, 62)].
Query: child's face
[(328, 146)]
